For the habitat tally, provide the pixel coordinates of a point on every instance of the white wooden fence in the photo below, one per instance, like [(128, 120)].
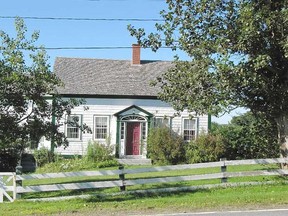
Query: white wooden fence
[(7, 178), (11, 178)]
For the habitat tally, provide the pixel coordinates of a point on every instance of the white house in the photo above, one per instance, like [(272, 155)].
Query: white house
[(122, 105)]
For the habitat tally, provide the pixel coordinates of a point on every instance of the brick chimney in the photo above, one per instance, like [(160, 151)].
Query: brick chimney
[(136, 54)]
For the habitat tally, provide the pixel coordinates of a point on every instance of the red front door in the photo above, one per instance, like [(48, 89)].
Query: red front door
[(133, 138)]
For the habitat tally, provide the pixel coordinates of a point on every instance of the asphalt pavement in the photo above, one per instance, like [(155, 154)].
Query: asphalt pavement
[(263, 212)]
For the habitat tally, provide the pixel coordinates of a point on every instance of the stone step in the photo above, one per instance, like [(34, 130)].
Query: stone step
[(142, 161)]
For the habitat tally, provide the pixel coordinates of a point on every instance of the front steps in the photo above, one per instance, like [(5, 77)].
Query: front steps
[(135, 161)]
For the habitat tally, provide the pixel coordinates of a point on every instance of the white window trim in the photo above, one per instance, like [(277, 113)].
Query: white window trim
[(196, 127), (94, 127), (80, 123)]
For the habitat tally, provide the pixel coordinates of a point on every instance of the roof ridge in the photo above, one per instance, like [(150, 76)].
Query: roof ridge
[(89, 58), (107, 59)]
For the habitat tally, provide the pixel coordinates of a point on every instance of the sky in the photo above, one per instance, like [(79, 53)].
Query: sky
[(55, 33)]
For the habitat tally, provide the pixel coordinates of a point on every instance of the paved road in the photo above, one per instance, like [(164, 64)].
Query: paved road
[(266, 212)]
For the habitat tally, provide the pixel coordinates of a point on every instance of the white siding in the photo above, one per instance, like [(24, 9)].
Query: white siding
[(108, 107)]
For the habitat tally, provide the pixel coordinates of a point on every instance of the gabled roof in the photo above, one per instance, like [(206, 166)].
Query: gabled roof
[(103, 77), (133, 107)]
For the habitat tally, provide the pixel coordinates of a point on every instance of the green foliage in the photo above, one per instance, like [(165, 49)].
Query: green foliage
[(44, 156), (206, 148), (9, 159), (247, 136), (74, 164), (107, 163), (28, 96), (97, 152), (97, 156), (238, 53), (62, 165), (165, 147)]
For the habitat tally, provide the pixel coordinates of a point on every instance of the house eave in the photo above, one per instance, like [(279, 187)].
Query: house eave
[(109, 96)]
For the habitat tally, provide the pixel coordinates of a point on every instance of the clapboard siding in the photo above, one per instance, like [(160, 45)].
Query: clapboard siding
[(203, 124), (110, 106)]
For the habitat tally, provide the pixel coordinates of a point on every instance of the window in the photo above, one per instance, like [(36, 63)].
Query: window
[(143, 130), (122, 130), (72, 127), (101, 127), (161, 122), (189, 129)]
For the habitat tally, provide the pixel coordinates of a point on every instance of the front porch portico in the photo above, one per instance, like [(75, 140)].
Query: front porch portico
[(132, 130)]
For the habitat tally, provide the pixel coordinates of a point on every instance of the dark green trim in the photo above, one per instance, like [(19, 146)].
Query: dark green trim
[(131, 107), (209, 122), (149, 122), (50, 97), (109, 96), (117, 150), (53, 122)]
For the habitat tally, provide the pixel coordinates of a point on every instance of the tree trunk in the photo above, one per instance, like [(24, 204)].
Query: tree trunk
[(282, 126)]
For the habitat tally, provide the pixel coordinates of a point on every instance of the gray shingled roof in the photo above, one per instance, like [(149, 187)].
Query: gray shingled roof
[(83, 76)]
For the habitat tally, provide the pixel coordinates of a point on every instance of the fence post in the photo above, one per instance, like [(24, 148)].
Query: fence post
[(223, 170), (14, 187), (19, 170), (122, 178)]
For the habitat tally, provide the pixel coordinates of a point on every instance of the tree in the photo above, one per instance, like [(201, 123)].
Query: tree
[(238, 53), (247, 137), (26, 86)]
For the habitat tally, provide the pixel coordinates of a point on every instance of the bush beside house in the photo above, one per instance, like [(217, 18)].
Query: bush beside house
[(165, 147), (245, 137), (206, 148)]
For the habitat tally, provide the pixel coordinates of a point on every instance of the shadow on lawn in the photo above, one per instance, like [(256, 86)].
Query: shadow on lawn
[(136, 195), (106, 192)]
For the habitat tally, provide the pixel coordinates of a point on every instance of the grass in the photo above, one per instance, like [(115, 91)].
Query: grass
[(212, 199)]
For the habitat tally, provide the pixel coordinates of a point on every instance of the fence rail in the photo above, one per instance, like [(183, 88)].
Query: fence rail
[(11, 178)]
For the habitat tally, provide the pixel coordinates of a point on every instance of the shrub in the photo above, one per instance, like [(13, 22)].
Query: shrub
[(44, 156), (108, 163), (165, 147), (9, 159), (206, 148), (97, 152)]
